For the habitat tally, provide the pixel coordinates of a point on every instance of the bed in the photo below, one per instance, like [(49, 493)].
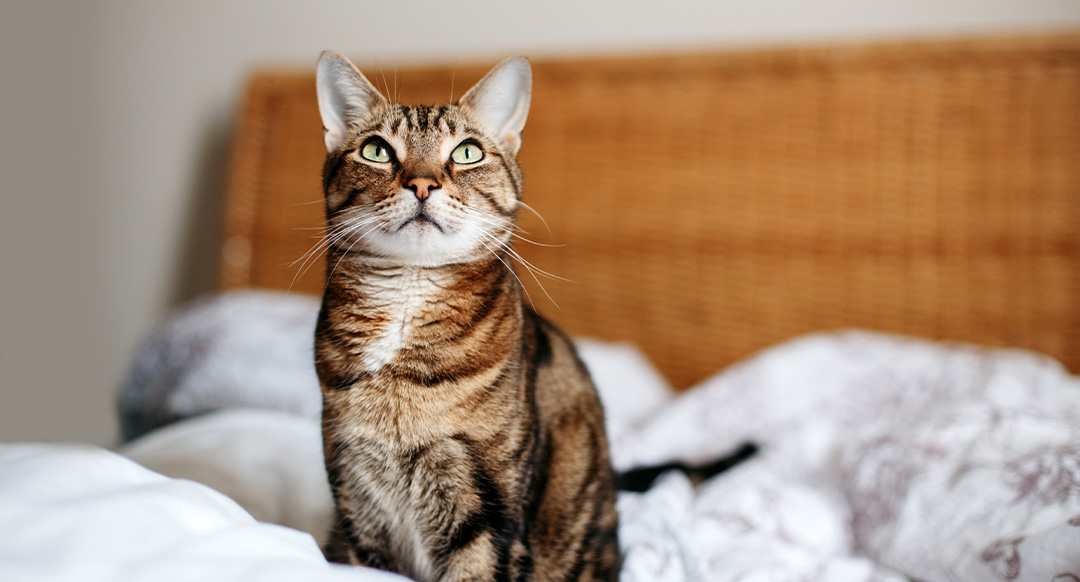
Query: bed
[(866, 259), (927, 189)]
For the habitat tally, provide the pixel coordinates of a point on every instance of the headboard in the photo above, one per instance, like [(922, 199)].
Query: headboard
[(713, 204)]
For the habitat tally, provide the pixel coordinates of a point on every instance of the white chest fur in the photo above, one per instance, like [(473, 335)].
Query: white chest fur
[(400, 300)]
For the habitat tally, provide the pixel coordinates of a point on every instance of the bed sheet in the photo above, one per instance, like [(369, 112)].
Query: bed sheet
[(882, 458)]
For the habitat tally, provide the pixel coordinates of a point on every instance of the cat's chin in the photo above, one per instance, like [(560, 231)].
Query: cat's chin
[(424, 244)]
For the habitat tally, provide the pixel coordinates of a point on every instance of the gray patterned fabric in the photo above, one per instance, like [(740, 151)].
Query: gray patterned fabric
[(943, 462), (244, 349)]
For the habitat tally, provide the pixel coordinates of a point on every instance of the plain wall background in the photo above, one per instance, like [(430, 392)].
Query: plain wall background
[(116, 118)]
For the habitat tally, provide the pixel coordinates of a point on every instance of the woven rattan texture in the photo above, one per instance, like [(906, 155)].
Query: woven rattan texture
[(713, 204)]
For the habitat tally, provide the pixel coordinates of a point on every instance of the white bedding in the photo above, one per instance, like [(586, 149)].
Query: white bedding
[(87, 514), (883, 458), (945, 463)]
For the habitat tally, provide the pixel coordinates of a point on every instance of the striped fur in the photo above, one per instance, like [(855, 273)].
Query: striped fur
[(462, 435)]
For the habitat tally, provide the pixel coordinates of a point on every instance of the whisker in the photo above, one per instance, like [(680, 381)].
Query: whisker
[(475, 214), (532, 242), (303, 257), (382, 73), (342, 229), (453, 74), (517, 236), (337, 233), (349, 250), (521, 259), (312, 256), (526, 264), (533, 210), (505, 264), (321, 241), (533, 267), (488, 220)]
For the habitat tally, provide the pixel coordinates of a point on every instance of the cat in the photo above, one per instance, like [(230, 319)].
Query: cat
[(462, 435)]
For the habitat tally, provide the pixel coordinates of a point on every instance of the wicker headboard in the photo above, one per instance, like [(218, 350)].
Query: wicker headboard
[(714, 204)]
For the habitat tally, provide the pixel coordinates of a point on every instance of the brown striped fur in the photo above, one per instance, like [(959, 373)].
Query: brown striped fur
[(462, 435)]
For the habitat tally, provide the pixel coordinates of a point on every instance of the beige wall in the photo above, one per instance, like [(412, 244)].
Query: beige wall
[(115, 128)]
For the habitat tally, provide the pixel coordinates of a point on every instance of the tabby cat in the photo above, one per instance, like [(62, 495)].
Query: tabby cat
[(463, 437)]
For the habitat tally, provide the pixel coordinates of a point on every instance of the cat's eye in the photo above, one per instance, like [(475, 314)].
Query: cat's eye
[(467, 153), (376, 150)]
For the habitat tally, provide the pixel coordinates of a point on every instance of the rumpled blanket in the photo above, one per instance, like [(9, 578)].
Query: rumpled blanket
[(941, 462), (882, 458)]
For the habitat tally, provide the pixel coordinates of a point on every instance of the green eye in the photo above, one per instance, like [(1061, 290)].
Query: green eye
[(376, 150), (467, 153)]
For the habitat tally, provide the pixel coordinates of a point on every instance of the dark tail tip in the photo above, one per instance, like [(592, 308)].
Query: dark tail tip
[(639, 480)]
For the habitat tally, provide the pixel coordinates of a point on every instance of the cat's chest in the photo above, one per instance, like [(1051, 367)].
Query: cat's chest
[(398, 306)]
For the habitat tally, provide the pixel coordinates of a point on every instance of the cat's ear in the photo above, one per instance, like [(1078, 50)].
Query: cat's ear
[(345, 96), (500, 101)]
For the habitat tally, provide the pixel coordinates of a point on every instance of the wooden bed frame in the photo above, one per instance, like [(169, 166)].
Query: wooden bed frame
[(714, 204)]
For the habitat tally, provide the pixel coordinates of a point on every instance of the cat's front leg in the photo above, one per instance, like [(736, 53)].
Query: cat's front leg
[(488, 558), (343, 548)]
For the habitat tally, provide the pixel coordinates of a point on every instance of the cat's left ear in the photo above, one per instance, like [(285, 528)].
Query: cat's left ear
[(500, 101)]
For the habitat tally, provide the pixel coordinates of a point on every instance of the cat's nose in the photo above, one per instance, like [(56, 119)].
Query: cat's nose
[(422, 187)]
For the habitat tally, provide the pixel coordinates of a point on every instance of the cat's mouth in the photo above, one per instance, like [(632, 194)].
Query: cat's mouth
[(421, 219), (425, 236)]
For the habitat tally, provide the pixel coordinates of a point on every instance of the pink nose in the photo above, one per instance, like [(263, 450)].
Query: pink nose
[(422, 187)]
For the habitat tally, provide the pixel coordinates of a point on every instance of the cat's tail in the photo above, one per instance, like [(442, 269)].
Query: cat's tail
[(639, 480)]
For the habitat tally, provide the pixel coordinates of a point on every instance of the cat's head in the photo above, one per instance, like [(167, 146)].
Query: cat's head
[(422, 185)]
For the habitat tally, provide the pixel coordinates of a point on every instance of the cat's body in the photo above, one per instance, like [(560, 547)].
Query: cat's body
[(463, 437)]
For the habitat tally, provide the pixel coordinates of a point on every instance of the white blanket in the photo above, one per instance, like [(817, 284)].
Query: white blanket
[(946, 463), (78, 513), (883, 458)]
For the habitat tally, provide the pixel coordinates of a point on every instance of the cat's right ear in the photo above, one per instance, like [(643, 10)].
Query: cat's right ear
[(345, 96)]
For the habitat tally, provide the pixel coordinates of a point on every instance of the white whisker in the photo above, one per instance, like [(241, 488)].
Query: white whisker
[(475, 214), (347, 251), (453, 74), (382, 73), (532, 268), (513, 252), (338, 233), (528, 266), (533, 210), (508, 267)]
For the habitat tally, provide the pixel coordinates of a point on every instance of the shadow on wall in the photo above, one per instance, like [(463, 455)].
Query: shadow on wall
[(196, 271)]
